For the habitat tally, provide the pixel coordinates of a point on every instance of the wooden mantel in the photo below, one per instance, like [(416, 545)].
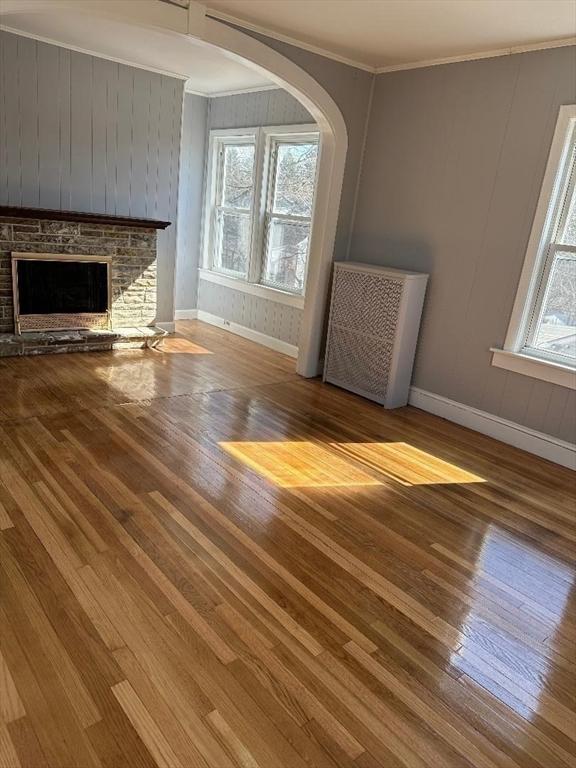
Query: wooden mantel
[(86, 218)]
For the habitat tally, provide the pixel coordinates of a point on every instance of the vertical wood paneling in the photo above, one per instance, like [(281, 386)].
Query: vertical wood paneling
[(81, 158), (4, 95), (81, 133), (140, 109), (99, 117), (125, 136), (49, 126), (275, 107), (112, 101), (64, 91), (28, 116), (12, 193)]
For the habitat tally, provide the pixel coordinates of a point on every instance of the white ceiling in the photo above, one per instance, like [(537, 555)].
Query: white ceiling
[(389, 33), (208, 70)]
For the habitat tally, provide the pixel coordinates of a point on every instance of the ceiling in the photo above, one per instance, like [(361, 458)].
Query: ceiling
[(207, 69), (384, 34)]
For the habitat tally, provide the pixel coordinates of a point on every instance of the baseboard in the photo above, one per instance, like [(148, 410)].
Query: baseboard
[(545, 446), (186, 314), (248, 333), (168, 327)]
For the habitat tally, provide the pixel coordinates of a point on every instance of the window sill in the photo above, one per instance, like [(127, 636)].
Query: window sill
[(254, 289), (536, 367)]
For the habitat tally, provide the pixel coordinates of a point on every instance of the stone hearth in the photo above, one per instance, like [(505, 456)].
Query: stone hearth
[(58, 342)]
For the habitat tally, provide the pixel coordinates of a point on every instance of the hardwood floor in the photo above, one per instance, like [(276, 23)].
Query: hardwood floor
[(208, 561)]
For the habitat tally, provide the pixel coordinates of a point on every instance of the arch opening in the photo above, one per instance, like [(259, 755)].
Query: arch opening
[(249, 51)]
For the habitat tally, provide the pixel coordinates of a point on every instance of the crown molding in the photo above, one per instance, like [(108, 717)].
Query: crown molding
[(420, 64), (97, 54), (543, 46), (243, 24)]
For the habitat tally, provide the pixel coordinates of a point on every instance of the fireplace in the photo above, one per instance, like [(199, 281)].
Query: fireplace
[(61, 292), (77, 282)]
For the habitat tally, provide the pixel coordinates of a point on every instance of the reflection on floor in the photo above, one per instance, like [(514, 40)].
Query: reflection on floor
[(207, 561)]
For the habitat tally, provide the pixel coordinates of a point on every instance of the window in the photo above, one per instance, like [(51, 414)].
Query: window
[(541, 340), (259, 204)]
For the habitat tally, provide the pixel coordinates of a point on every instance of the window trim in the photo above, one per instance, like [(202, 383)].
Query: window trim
[(263, 136), (514, 356)]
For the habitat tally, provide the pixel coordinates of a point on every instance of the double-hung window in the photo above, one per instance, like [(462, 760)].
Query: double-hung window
[(541, 339), (259, 206)]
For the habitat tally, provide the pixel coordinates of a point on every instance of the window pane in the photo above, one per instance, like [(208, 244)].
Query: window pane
[(238, 175), (556, 333), (568, 235), (295, 177), (286, 254), (233, 242)]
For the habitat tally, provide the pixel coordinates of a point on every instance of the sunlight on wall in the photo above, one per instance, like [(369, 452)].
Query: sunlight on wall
[(298, 464), (406, 464)]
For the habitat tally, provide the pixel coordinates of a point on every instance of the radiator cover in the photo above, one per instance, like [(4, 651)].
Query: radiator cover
[(373, 329)]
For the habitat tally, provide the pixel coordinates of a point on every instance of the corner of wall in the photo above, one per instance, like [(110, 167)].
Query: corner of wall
[(361, 166)]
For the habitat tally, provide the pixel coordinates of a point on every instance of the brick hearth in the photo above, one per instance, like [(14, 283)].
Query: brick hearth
[(133, 252)]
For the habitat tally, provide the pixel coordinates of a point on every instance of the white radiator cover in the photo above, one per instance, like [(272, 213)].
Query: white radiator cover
[(373, 329)]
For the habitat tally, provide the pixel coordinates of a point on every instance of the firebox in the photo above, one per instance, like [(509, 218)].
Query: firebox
[(54, 291)]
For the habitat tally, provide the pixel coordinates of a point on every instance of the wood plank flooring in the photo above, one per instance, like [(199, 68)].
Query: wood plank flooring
[(208, 561)]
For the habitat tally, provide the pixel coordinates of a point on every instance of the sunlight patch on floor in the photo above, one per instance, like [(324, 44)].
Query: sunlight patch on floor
[(406, 464), (298, 464), (179, 346)]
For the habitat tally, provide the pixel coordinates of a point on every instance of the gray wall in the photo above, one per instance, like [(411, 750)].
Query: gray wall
[(191, 188), (274, 107), (454, 163), (82, 133)]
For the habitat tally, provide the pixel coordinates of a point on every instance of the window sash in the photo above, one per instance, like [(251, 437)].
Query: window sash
[(270, 217), (219, 209), (270, 214), (218, 231)]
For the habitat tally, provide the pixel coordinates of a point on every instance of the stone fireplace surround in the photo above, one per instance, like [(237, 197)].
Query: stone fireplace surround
[(129, 243)]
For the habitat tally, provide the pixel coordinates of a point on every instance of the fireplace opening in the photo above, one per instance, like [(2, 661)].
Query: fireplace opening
[(53, 292), (58, 287)]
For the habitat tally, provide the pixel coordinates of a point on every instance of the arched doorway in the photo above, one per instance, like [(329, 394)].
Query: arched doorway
[(191, 22), (333, 146)]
